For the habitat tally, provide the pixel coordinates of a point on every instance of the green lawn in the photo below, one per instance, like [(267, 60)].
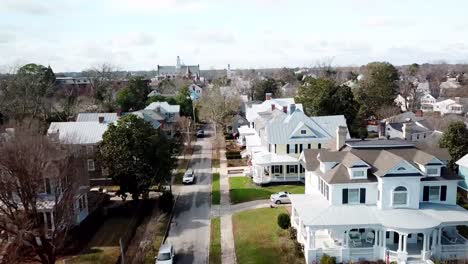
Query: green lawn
[(258, 239), (215, 241), (215, 194), (243, 190)]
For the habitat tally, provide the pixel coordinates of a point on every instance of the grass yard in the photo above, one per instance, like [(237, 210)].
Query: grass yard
[(215, 194), (161, 226), (242, 189), (104, 246), (215, 241), (258, 239)]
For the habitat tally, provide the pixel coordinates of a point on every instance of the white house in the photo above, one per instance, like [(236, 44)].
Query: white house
[(278, 138), (448, 106), (373, 199), (402, 103), (170, 115), (270, 104), (409, 130), (196, 92)]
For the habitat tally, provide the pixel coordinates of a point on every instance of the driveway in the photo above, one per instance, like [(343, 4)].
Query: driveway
[(190, 227)]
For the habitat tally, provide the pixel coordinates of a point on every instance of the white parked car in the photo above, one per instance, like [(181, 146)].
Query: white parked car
[(166, 254), (280, 198), (189, 177)]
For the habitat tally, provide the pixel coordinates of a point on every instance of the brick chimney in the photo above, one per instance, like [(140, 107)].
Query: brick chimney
[(382, 127), (407, 131), (273, 107), (341, 133), (285, 109), (268, 96), (101, 119)]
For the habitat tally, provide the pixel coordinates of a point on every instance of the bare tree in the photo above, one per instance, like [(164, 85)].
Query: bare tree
[(100, 80), (37, 196), (219, 107), (387, 111)]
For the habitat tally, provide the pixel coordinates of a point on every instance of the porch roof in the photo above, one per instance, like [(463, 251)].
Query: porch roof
[(246, 130), (316, 212), (253, 140), (267, 158)]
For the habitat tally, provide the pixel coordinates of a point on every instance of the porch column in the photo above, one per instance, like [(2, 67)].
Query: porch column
[(405, 242), (376, 237), (425, 241), (384, 238), (400, 242), (284, 171), (307, 242), (312, 238), (433, 239)]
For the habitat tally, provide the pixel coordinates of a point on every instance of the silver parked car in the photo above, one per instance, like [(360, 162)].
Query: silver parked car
[(280, 198), (189, 177), (166, 254)]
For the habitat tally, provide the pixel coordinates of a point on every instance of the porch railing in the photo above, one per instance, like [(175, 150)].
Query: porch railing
[(361, 251)]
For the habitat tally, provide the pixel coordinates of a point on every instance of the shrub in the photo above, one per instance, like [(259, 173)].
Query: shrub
[(284, 221), (292, 233), (299, 248), (327, 259), (165, 201)]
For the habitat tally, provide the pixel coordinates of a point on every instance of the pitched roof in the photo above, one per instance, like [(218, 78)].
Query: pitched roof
[(280, 129), (149, 116), (463, 161), (165, 106), (252, 111), (78, 132), (330, 123), (94, 117)]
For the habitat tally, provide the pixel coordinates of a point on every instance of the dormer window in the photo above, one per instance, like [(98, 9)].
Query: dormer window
[(400, 196), (433, 171), (303, 132), (358, 174)]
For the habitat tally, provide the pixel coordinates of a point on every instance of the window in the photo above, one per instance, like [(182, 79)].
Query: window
[(303, 132), (300, 148), (91, 165), (353, 196), (80, 204), (308, 146), (291, 169), (401, 169), (400, 196), (434, 193), (277, 169), (49, 220), (48, 188), (295, 148), (358, 174), (433, 171), (319, 146)]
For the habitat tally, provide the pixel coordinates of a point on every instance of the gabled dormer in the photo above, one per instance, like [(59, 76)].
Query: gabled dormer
[(432, 168), (303, 131), (326, 164), (403, 168), (358, 169)]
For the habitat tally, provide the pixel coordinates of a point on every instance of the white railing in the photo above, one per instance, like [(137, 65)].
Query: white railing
[(455, 248), (361, 251), (332, 252)]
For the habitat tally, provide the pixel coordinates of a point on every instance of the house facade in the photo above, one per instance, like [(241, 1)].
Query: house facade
[(378, 200)]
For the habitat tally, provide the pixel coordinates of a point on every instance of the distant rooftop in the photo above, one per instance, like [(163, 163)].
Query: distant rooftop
[(378, 143)]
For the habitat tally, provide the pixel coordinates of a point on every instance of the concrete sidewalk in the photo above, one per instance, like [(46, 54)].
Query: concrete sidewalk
[(228, 252)]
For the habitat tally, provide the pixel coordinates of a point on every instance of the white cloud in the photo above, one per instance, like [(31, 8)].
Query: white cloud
[(31, 7), (158, 6)]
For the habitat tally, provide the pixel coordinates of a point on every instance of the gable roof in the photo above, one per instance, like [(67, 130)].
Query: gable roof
[(330, 123), (165, 106), (463, 161), (149, 116), (252, 111), (280, 128), (94, 117), (78, 132)]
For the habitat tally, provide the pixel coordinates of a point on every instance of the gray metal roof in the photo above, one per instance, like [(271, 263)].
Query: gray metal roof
[(94, 117), (78, 132)]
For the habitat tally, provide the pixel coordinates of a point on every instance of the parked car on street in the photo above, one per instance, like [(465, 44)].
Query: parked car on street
[(200, 133), (189, 177), (280, 198), (166, 254)]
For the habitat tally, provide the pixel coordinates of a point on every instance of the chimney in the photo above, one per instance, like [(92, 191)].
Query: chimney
[(268, 96), (285, 109), (292, 108), (272, 107), (101, 119), (341, 133), (382, 127), (407, 131)]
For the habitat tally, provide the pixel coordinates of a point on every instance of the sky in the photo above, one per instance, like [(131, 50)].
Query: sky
[(73, 35)]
